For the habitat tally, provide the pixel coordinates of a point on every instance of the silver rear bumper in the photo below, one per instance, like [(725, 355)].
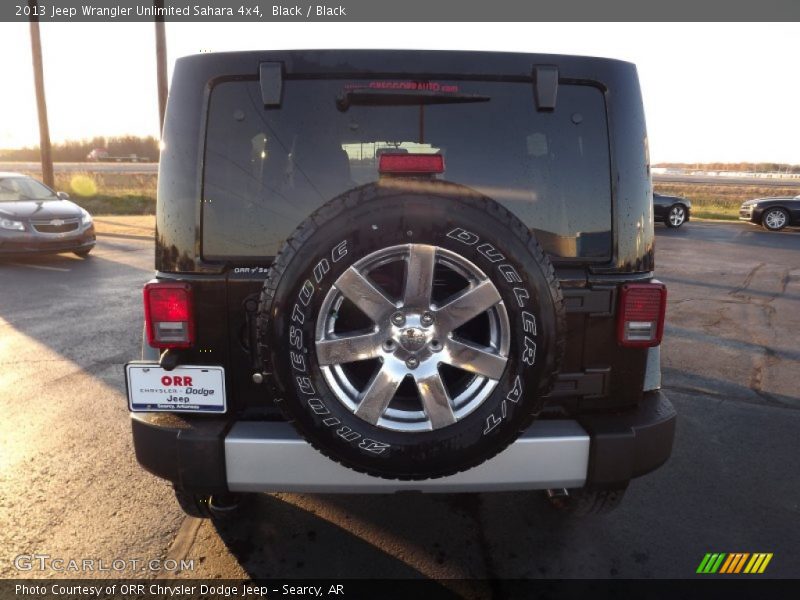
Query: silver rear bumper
[(272, 457), (212, 455)]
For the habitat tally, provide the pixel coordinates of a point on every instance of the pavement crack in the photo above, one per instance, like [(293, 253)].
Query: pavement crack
[(757, 377), (472, 504), (182, 544), (767, 398), (33, 361), (785, 280), (745, 302), (737, 291), (747, 280)]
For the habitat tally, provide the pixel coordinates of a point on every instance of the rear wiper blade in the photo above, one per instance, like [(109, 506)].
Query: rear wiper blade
[(368, 97)]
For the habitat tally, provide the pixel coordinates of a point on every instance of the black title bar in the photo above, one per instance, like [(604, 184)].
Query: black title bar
[(738, 588), (259, 11)]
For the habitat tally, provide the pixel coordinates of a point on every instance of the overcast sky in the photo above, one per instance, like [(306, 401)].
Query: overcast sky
[(712, 92)]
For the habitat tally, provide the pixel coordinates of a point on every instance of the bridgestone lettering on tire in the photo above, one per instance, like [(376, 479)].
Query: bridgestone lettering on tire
[(412, 329)]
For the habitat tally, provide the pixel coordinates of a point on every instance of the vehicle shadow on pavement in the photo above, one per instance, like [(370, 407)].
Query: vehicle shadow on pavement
[(715, 387), (693, 335), (91, 294), (729, 289), (54, 262), (55, 303), (437, 536), (745, 235), (663, 528), (20, 265), (288, 535)]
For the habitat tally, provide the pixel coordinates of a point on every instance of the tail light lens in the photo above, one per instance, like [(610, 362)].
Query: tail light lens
[(410, 164), (169, 315), (640, 323)]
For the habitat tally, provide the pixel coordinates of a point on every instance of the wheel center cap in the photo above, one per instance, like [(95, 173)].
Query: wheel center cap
[(413, 339)]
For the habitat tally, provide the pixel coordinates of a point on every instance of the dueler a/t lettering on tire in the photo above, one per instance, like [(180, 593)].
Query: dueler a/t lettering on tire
[(412, 328)]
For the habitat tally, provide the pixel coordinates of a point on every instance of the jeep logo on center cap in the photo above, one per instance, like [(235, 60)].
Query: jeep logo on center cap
[(413, 339)]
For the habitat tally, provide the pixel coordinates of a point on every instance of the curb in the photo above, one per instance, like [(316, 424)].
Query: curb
[(127, 236), (134, 227), (704, 220)]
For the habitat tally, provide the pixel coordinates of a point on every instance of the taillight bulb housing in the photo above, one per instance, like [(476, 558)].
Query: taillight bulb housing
[(169, 314), (640, 320)]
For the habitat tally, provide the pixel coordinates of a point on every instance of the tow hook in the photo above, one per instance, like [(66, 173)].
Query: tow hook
[(169, 360), (557, 493)]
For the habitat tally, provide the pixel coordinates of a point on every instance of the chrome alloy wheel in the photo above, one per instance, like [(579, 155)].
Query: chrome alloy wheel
[(427, 344), (775, 219), (677, 215)]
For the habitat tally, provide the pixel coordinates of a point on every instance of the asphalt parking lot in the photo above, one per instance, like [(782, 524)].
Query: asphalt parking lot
[(72, 489)]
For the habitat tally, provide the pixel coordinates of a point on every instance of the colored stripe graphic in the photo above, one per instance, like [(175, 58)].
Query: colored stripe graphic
[(749, 567), (718, 562), (729, 563), (765, 563), (758, 563), (733, 563), (711, 562), (703, 563), (741, 562)]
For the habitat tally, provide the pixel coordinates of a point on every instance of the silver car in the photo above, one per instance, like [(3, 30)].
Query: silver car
[(36, 219)]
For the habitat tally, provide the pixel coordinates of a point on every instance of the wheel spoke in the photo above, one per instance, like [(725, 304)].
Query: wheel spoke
[(474, 359), (419, 276), (346, 349), (436, 400), (467, 306), (394, 347), (364, 295), (379, 394), (776, 219)]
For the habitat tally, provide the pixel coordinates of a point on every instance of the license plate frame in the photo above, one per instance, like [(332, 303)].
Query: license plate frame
[(147, 391)]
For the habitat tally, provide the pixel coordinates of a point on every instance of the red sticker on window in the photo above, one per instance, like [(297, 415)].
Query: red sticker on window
[(424, 86)]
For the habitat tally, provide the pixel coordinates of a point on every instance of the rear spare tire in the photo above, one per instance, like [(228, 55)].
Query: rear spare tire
[(412, 329)]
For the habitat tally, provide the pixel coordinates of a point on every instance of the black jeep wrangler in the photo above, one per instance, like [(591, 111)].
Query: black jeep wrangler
[(381, 271)]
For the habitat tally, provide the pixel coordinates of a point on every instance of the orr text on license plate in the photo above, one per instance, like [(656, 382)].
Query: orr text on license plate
[(182, 389)]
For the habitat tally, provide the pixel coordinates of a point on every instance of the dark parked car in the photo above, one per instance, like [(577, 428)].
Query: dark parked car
[(385, 271), (35, 219), (673, 211), (772, 213)]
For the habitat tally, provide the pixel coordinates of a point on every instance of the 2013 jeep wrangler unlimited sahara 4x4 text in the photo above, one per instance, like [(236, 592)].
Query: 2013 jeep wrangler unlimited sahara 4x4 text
[(391, 270)]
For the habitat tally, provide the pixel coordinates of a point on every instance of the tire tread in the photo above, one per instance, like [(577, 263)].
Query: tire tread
[(353, 199)]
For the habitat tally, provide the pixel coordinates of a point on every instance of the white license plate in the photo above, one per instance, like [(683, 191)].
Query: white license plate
[(183, 389)]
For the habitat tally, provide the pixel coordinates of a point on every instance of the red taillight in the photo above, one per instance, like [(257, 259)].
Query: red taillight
[(640, 322), (168, 315), (411, 164)]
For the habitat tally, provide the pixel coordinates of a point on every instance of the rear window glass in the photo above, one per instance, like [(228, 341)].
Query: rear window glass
[(267, 169)]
